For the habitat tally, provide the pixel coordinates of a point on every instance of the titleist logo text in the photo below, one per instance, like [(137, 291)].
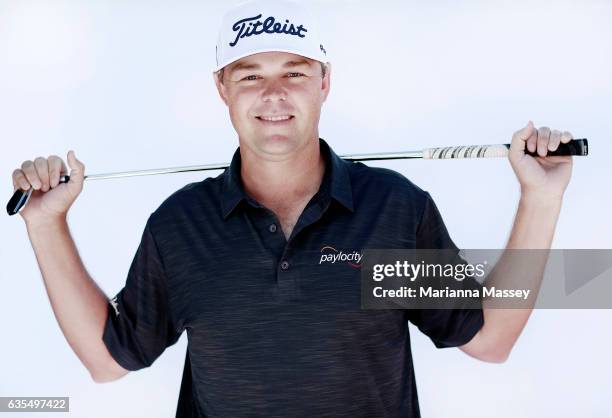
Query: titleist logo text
[(270, 25)]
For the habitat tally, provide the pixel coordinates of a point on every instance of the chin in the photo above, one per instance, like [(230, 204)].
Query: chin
[(277, 143)]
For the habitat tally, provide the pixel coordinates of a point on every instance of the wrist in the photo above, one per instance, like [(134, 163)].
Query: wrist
[(46, 222), (539, 198), (541, 207)]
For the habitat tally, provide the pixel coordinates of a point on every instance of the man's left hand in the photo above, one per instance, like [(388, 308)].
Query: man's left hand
[(540, 176)]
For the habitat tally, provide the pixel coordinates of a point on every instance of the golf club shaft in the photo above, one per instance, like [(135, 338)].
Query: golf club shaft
[(578, 147)]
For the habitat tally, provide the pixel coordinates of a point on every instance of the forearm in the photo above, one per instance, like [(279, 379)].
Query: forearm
[(535, 222), (543, 181), (533, 229), (79, 305)]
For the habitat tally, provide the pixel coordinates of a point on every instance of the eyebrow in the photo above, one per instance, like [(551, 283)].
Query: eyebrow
[(253, 66)]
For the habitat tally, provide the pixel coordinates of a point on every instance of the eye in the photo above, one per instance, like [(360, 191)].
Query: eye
[(298, 74), (249, 78)]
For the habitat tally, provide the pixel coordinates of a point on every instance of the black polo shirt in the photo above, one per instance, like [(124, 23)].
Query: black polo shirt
[(273, 331)]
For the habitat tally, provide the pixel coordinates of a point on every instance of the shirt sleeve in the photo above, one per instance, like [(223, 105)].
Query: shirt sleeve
[(445, 327), (139, 323)]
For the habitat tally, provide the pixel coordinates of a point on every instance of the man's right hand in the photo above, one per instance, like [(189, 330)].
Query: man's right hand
[(50, 199)]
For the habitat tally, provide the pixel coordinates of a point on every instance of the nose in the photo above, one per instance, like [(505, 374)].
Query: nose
[(274, 91)]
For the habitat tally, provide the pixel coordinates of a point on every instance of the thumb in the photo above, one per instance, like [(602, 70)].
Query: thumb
[(519, 141), (77, 169)]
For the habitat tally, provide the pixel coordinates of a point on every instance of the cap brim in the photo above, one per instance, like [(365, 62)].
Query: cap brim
[(302, 53)]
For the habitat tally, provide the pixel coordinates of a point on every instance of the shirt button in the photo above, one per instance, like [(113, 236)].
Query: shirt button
[(284, 264), (272, 228)]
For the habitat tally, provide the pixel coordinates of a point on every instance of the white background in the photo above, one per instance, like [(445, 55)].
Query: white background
[(128, 85)]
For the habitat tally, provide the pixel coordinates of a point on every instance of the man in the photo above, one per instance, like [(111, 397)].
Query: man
[(236, 260)]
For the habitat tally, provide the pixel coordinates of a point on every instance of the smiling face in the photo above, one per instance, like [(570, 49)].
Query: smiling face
[(274, 100)]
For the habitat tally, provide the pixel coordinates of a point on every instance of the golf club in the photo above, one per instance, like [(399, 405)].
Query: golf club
[(577, 147)]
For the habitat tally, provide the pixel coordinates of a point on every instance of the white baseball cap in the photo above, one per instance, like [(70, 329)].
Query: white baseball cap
[(268, 25)]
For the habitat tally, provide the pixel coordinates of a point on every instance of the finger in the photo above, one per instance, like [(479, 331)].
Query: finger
[(559, 159), (19, 180), (532, 141), (566, 137), (42, 168), (55, 166), (555, 140), (77, 168), (517, 147), (543, 138), (30, 173), (64, 169)]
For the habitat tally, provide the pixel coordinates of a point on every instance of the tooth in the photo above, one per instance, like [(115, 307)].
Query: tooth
[(275, 118)]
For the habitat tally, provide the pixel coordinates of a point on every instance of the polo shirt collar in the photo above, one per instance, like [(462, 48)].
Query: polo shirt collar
[(336, 180)]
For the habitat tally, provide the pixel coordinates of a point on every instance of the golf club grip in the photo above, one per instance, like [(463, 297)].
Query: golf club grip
[(577, 147)]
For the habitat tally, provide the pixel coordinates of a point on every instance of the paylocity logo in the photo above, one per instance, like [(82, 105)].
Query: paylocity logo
[(331, 255)]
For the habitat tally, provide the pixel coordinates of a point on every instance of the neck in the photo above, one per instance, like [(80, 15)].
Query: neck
[(274, 183)]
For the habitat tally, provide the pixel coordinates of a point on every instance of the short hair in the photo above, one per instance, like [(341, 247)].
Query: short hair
[(221, 72)]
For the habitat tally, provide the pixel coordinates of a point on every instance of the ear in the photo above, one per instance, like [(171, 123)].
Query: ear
[(326, 83), (220, 88)]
